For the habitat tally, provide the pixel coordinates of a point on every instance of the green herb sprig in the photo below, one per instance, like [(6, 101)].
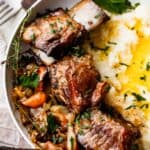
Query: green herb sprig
[(72, 142), (13, 59), (77, 51), (84, 115), (52, 123), (148, 66), (131, 106), (138, 97), (57, 140), (30, 81), (116, 6)]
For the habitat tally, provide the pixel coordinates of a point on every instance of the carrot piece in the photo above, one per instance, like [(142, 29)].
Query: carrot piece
[(35, 100)]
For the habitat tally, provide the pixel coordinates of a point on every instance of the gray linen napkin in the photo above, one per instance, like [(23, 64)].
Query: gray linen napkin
[(9, 135)]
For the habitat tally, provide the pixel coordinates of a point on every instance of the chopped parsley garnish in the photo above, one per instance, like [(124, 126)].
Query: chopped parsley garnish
[(138, 97), (85, 115), (57, 140), (132, 28), (101, 118), (144, 106), (112, 43), (77, 120), (143, 77), (51, 25), (93, 46), (123, 64), (33, 37), (81, 132), (59, 20), (60, 29), (131, 106), (125, 95), (60, 139), (72, 142), (54, 139), (144, 91), (85, 127), (116, 6), (30, 81), (148, 66), (106, 77), (46, 16), (77, 51), (43, 129), (52, 123), (107, 88), (105, 48), (69, 23), (53, 31)]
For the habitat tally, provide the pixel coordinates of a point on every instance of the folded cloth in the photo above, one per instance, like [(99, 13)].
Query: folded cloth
[(9, 135), (2, 56)]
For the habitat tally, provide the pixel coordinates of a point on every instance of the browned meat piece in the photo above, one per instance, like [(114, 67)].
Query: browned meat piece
[(53, 33), (74, 81), (99, 131)]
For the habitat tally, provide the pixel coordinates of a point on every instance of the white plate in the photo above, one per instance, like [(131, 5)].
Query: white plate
[(8, 76)]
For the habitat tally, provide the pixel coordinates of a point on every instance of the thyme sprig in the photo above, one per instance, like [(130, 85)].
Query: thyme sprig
[(12, 60)]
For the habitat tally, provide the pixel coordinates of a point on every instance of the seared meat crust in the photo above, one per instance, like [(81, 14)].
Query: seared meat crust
[(101, 132), (53, 33), (74, 81)]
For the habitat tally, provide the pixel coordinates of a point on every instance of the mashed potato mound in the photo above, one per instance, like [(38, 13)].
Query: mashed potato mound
[(121, 50)]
